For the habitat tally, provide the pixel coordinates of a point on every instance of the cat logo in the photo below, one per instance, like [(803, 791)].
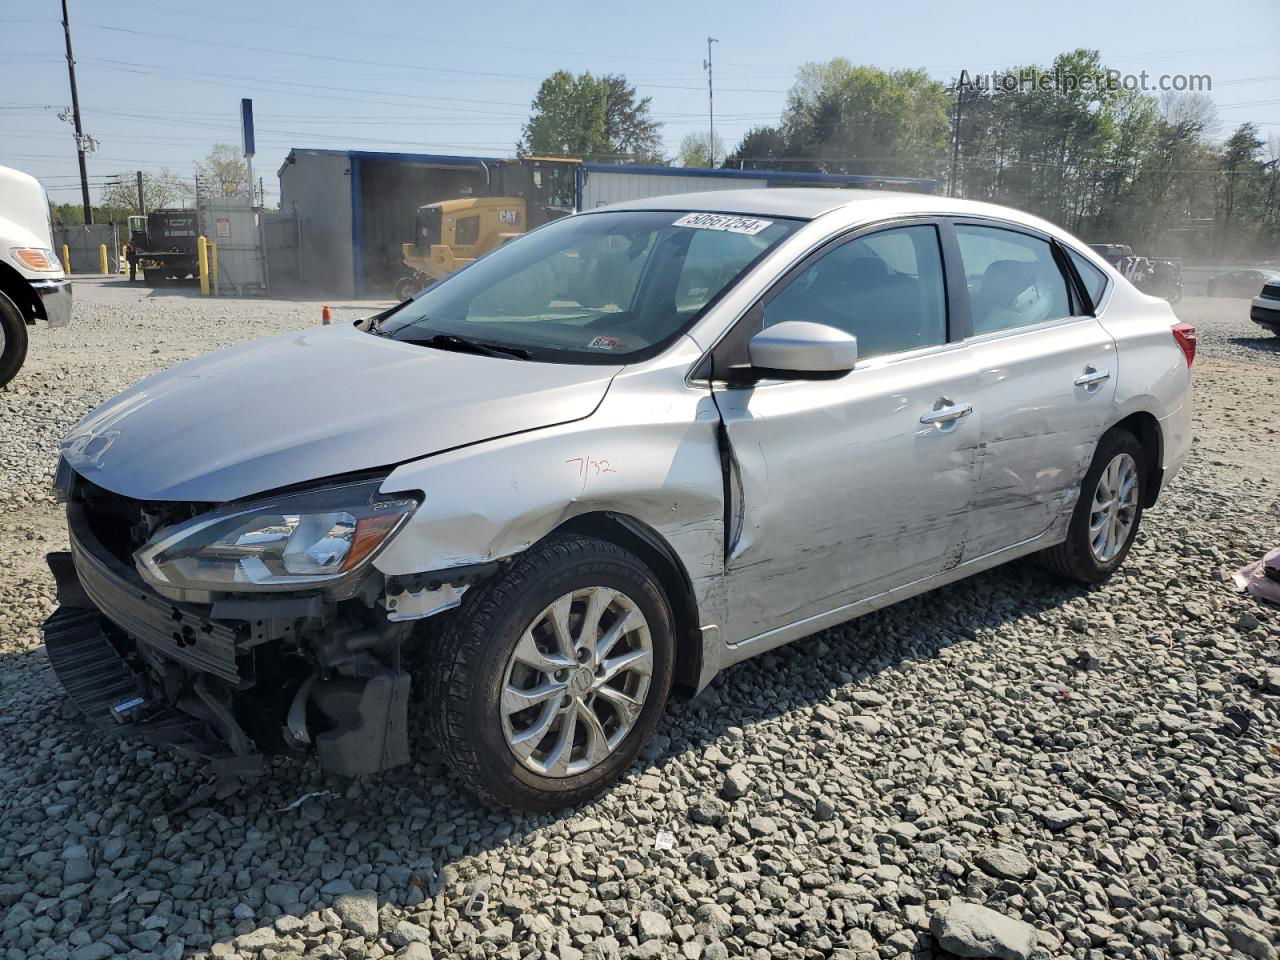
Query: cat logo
[(508, 216)]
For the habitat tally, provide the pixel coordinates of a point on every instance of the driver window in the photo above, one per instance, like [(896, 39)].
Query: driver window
[(885, 288)]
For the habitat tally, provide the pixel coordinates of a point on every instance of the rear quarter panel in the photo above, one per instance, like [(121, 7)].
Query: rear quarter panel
[(1154, 376)]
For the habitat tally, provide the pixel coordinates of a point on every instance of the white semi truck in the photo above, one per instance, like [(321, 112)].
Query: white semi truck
[(33, 286)]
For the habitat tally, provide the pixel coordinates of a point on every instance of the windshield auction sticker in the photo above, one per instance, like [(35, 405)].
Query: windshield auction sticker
[(723, 221)]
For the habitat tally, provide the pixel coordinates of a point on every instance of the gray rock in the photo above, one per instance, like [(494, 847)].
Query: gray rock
[(737, 783), (257, 939), (1004, 863), (1059, 818), (1250, 937), (358, 912), (92, 951), (762, 826), (653, 926), (405, 933), (283, 894), (77, 870), (970, 930), (415, 951)]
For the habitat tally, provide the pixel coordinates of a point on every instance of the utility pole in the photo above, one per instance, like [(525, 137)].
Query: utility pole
[(711, 109), (955, 147), (81, 139), (142, 205)]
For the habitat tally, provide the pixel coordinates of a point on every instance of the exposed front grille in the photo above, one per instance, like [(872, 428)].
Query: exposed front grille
[(180, 632)]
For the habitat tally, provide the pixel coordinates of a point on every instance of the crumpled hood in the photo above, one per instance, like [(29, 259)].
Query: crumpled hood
[(308, 405)]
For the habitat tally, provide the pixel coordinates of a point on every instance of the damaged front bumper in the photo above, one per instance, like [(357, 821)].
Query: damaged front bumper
[(288, 673)]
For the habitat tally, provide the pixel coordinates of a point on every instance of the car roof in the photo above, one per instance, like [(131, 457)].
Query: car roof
[(805, 203), (809, 203)]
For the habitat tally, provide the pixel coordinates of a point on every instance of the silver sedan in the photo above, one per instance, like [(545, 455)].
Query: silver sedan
[(606, 461)]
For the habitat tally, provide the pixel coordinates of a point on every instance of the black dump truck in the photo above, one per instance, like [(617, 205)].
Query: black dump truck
[(166, 245)]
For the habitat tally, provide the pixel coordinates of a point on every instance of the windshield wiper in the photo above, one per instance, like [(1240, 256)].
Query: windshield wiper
[(450, 341)]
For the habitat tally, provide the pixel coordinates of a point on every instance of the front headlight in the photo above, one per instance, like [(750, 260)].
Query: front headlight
[(286, 543)]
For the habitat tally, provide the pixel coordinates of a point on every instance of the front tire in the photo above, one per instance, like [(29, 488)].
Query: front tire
[(1107, 515), (553, 674), (13, 340)]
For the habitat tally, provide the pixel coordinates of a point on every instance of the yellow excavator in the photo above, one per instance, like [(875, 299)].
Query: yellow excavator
[(527, 192)]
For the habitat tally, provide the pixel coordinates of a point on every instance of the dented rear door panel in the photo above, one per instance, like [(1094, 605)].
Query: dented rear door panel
[(1039, 426)]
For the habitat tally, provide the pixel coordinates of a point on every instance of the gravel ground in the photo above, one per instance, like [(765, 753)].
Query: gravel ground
[(1008, 767)]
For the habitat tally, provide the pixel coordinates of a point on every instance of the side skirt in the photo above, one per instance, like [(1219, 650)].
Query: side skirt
[(780, 636)]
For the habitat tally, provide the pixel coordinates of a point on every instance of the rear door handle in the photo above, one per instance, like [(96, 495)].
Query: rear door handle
[(1092, 377), (947, 413)]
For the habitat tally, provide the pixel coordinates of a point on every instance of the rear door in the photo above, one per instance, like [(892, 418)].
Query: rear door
[(1047, 372)]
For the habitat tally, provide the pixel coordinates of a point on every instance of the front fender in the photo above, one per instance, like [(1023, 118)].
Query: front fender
[(649, 452)]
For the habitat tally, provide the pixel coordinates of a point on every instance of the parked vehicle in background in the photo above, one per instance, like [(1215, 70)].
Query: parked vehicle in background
[(1113, 253), (165, 241), (522, 194), (1158, 276), (607, 460), (1240, 283), (33, 286), (1265, 309)]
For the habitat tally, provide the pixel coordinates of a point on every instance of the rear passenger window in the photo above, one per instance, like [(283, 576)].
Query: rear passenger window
[(1095, 281), (1013, 279), (885, 288)]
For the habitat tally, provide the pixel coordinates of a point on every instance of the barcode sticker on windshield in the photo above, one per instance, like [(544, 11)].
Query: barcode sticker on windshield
[(723, 221)]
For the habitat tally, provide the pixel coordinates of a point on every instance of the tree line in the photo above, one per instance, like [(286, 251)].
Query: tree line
[(1110, 164)]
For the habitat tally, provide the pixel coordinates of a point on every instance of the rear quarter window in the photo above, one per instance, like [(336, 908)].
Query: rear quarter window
[(1094, 280)]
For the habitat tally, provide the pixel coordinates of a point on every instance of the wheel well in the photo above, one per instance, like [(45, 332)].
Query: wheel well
[(648, 545), (1147, 429), (16, 288)]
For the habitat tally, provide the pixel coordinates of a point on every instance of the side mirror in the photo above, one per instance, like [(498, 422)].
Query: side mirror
[(799, 350)]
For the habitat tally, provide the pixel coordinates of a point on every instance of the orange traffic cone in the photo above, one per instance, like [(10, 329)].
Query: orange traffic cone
[(326, 317)]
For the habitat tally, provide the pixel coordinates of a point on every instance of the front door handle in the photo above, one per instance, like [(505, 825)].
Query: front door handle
[(1092, 377), (946, 412)]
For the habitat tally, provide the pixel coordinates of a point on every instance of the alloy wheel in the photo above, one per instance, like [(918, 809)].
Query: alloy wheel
[(576, 682), (1114, 509)]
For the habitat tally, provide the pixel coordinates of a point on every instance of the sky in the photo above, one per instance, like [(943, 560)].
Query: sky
[(160, 82)]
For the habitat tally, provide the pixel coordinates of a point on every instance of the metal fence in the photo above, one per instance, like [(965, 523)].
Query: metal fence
[(234, 226), (85, 243)]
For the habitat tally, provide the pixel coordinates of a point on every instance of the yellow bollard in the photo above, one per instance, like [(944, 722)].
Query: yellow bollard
[(66, 259), (202, 251), (102, 258), (213, 265)]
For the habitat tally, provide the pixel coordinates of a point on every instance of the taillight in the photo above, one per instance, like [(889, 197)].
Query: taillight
[(1185, 334)]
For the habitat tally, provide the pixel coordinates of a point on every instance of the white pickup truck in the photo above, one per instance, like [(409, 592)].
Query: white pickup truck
[(33, 285)]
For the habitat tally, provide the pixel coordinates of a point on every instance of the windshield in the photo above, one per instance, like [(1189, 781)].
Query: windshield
[(597, 288)]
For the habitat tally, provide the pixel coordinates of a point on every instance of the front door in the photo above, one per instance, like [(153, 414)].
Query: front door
[(842, 489), (1047, 377)]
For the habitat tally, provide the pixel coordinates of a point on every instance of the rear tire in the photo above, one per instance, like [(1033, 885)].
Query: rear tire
[(502, 649), (1080, 557), (13, 346)]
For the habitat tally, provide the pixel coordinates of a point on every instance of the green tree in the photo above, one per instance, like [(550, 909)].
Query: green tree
[(632, 135), (695, 150), (858, 119), (159, 190), (1242, 186), (591, 118), (761, 148), (224, 173)]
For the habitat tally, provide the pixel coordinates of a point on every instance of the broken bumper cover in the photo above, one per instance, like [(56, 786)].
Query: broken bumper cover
[(113, 698), (362, 721)]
